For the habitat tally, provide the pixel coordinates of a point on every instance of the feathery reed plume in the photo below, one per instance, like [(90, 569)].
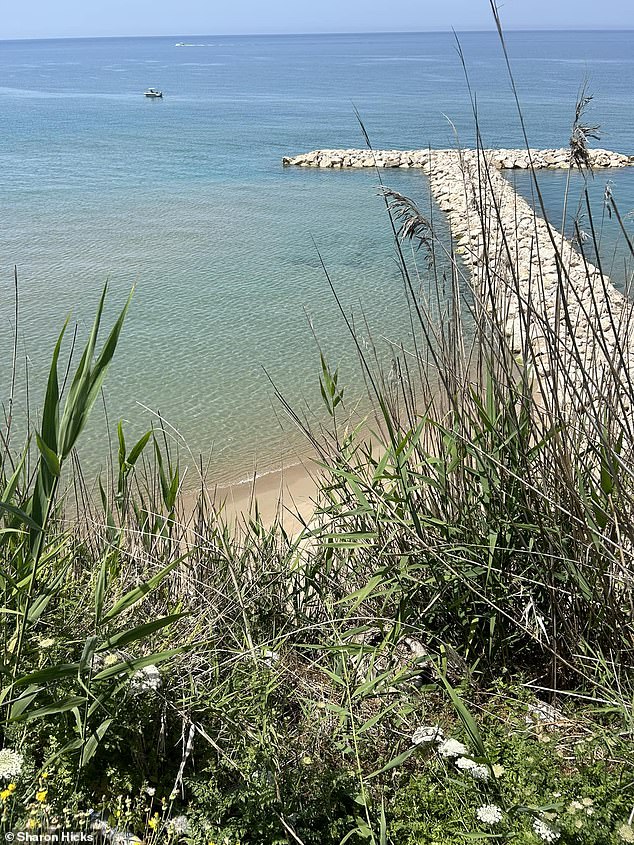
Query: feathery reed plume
[(412, 225), (581, 132)]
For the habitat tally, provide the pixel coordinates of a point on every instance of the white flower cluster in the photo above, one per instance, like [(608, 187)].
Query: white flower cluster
[(476, 770), (147, 679), (179, 825), (489, 814), (427, 734), (545, 831), (11, 763), (270, 658), (123, 837), (450, 749), (626, 832), (112, 835), (585, 805)]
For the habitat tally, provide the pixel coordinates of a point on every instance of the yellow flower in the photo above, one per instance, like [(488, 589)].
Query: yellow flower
[(11, 787), (31, 823), (154, 821), (498, 770), (44, 775), (5, 794), (40, 795)]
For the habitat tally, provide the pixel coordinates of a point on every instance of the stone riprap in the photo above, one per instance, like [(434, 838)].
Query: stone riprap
[(556, 307), (501, 159)]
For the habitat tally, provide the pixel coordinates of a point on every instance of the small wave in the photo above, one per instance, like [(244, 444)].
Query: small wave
[(381, 59)]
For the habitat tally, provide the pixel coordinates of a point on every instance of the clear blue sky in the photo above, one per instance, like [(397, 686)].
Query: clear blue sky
[(52, 18)]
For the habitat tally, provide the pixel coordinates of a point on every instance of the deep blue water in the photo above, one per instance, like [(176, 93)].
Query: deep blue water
[(186, 198)]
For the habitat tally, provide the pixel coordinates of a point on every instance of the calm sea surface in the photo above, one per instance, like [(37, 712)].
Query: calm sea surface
[(186, 199)]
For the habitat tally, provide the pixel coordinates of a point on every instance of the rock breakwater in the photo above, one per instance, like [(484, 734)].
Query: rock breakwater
[(557, 309), (500, 159)]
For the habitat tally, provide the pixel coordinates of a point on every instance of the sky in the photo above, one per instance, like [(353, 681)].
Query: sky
[(72, 18)]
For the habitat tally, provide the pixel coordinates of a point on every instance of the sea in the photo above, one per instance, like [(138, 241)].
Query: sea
[(233, 258)]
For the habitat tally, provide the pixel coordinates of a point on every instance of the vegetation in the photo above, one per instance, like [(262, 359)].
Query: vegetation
[(442, 654)]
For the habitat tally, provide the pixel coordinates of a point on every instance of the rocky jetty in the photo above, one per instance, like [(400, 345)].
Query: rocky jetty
[(500, 159), (559, 311)]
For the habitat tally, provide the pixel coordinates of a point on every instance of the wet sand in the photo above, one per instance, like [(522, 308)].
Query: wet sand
[(287, 494)]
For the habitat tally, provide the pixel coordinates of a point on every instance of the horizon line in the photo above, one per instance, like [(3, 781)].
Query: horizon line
[(439, 30)]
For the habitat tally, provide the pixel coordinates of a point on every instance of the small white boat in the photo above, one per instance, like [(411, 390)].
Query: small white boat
[(152, 92)]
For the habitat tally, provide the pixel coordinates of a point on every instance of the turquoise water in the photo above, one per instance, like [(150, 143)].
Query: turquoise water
[(186, 198), (611, 249)]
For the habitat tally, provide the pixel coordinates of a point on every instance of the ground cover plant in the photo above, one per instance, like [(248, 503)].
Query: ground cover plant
[(442, 654)]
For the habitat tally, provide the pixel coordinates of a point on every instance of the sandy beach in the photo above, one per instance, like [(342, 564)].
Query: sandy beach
[(287, 494)]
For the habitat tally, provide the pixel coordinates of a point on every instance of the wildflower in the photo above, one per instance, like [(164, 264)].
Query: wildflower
[(151, 791), (110, 660), (426, 734), (480, 772), (626, 833), (452, 748), (489, 813), (154, 821), (173, 795), (10, 763), (497, 770), (476, 770), (6, 793), (40, 795), (179, 825), (100, 826), (119, 837), (545, 831), (147, 679)]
